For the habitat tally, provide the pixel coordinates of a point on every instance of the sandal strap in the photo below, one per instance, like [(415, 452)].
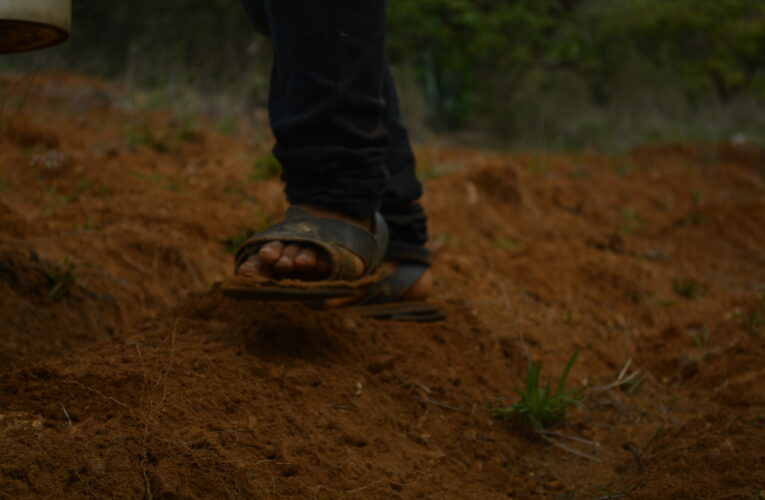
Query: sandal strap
[(391, 288), (334, 236)]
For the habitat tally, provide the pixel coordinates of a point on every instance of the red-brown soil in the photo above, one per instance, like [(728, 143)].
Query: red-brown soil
[(124, 372)]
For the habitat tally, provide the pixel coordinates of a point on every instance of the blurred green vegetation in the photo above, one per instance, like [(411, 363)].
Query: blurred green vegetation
[(602, 74), (569, 73)]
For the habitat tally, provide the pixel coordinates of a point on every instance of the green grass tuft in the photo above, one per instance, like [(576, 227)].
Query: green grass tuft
[(264, 168), (141, 134), (755, 321), (233, 242), (688, 288), (61, 279), (622, 166), (509, 243), (700, 337), (540, 407), (425, 172), (188, 130), (167, 183), (631, 221)]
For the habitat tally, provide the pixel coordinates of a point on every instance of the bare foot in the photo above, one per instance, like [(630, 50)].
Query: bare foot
[(303, 262)]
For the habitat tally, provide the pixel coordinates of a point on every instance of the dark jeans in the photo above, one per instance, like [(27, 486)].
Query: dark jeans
[(334, 112)]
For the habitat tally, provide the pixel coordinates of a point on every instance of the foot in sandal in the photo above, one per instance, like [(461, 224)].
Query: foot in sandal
[(299, 261), (311, 254), (308, 263)]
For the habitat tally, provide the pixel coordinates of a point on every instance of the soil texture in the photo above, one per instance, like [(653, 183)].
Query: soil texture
[(125, 372)]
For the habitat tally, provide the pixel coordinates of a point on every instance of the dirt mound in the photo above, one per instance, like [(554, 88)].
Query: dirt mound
[(125, 372)]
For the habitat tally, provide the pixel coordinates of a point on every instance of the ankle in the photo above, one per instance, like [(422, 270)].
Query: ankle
[(320, 211)]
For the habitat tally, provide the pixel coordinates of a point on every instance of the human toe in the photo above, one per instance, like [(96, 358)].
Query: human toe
[(306, 260), (286, 263), (251, 267), (271, 252)]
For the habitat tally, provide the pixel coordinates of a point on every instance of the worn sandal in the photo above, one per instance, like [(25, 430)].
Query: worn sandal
[(338, 239), (383, 299)]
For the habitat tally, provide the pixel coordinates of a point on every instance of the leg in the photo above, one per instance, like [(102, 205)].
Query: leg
[(256, 10), (400, 207), (406, 256), (326, 105), (326, 111), (335, 114)]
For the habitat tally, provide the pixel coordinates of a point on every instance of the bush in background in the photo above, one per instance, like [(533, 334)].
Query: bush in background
[(527, 73)]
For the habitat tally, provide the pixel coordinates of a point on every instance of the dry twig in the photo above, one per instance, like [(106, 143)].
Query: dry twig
[(569, 449), (68, 418), (578, 439), (506, 300), (436, 403), (621, 379), (635, 453)]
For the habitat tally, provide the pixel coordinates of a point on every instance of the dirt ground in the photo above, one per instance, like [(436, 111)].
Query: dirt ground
[(125, 373)]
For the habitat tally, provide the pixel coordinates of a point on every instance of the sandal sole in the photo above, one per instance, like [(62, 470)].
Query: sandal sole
[(419, 312)]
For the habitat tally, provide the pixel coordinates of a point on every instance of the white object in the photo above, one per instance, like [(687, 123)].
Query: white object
[(33, 24)]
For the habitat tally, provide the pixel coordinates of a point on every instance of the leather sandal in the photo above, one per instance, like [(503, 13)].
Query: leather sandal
[(383, 299), (338, 239)]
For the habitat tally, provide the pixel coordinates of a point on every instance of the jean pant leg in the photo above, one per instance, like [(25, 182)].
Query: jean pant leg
[(326, 104), (301, 137), (256, 10), (400, 207)]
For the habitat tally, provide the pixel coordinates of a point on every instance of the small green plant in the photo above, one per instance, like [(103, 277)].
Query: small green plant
[(138, 174), (540, 407), (694, 218), (167, 183), (53, 199), (606, 494), (654, 437), (88, 225), (700, 336), (83, 185), (538, 164), (102, 191), (263, 221), (568, 317), (509, 243), (61, 278), (688, 288), (697, 198), (233, 242), (654, 298), (622, 166), (141, 134), (632, 386), (187, 130), (755, 321), (227, 125), (579, 173), (264, 168), (171, 184), (631, 221), (425, 172), (449, 241)]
